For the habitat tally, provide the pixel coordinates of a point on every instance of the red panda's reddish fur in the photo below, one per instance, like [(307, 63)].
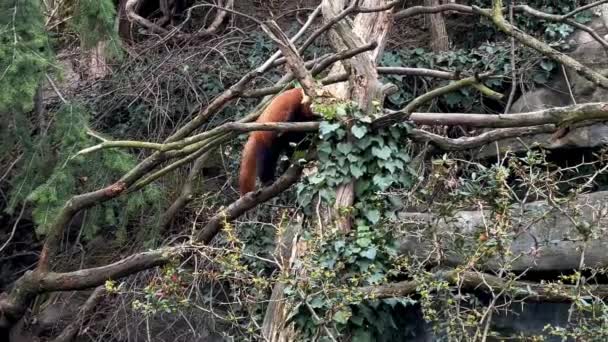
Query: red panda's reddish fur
[(287, 107)]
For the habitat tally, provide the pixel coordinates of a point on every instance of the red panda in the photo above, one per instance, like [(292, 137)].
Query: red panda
[(262, 150)]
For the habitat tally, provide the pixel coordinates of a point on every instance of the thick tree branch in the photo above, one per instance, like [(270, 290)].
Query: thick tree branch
[(557, 116), (469, 280), (250, 200), (14, 303)]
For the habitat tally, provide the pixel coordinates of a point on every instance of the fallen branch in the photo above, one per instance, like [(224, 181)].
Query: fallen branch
[(558, 116), (477, 281), (14, 303), (71, 330), (222, 11)]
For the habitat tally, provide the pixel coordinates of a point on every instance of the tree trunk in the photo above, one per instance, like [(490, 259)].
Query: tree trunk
[(545, 236), (364, 88), (439, 35)]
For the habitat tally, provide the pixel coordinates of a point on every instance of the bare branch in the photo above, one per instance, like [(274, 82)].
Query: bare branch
[(558, 116), (405, 113), (71, 330), (295, 62), (185, 195), (293, 39), (222, 11), (465, 143)]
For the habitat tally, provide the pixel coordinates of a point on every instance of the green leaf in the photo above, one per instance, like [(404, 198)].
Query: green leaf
[(326, 128), (370, 253), (359, 131), (339, 244), (373, 215), (342, 315), (357, 170), (341, 109), (364, 242), (361, 335), (363, 144), (382, 182), (547, 64), (317, 302), (383, 152), (345, 148)]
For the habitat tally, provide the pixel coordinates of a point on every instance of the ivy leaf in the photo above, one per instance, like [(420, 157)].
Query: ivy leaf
[(370, 253), (345, 148), (356, 320), (392, 165), (317, 302), (325, 147), (364, 242), (341, 109), (342, 315), (316, 179), (375, 278), (325, 127), (363, 144), (353, 158), (373, 215), (381, 182), (357, 170), (339, 244), (383, 152), (361, 186), (359, 131)]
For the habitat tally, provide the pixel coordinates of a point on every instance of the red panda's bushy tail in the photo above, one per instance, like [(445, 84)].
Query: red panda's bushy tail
[(248, 170)]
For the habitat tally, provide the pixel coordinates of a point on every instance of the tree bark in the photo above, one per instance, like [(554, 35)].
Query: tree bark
[(545, 238), (439, 35), (363, 87)]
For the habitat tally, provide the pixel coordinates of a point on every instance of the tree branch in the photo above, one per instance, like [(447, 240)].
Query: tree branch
[(250, 200), (469, 280), (465, 143), (71, 330), (404, 114)]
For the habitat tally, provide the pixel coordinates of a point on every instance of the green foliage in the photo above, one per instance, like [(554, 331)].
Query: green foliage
[(52, 174), (495, 57), (552, 32), (339, 265), (93, 21), (24, 54), (377, 159)]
